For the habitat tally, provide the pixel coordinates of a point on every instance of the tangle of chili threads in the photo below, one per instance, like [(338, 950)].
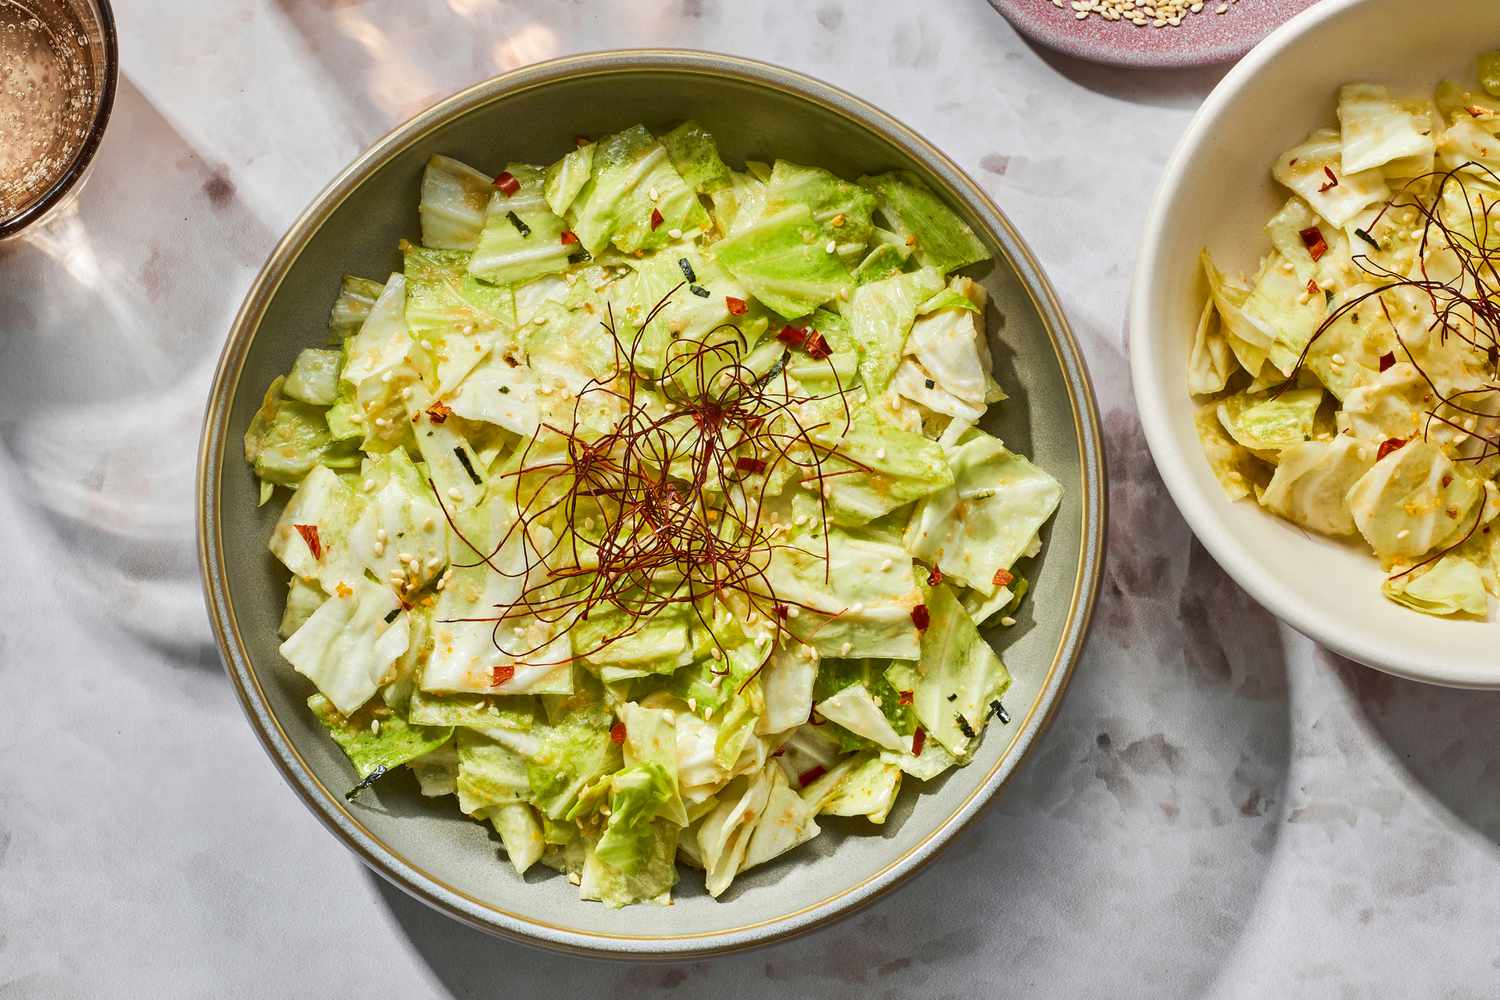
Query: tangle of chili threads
[(660, 543)]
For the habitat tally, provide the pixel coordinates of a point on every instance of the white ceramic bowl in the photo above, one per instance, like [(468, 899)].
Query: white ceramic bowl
[(1217, 192)]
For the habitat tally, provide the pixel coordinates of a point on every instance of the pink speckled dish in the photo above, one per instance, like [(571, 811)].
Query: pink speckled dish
[(1203, 39)]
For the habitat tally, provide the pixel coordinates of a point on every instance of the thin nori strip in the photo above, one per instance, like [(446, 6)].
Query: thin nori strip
[(698, 290), (521, 227), (687, 270), (463, 459), (369, 780)]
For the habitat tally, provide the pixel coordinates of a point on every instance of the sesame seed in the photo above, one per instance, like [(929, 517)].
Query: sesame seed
[(1337, 359), (381, 422), (831, 247), (793, 611), (1007, 621), (676, 234), (880, 453), (375, 726), (454, 494), (886, 564), (406, 392), (386, 377), (1402, 534), (429, 524), (380, 535), (653, 194), (856, 608), (846, 649), (369, 485)]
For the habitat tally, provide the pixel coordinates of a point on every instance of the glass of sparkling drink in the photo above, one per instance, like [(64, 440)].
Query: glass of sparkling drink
[(58, 64)]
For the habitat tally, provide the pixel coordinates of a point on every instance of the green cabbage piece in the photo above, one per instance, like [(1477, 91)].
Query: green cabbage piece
[(348, 646), (858, 603), (1377, 130), (567, 176), (302, 599), (489, 773), (1266, 423), (780, 260), (356, 297), (324, 502), (286, 438), (638, 793), (454, 198), (651, 882), (616, 205), (740, 204), (695, 155), (443, 299), (988, 518), (573, 753), (1411, 501), (1452, 586), (883, 261), (841, 209), (381, 741), (314, 377), (938, 237), (1304, 168), (508, 253), (955, 661), (1236, 468), (867, 789), (874, 466), (1312, 480), (1211, 360), (520, 831), (880, 317)]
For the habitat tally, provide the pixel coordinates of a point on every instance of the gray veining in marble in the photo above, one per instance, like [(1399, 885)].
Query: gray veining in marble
[(1220, 809)]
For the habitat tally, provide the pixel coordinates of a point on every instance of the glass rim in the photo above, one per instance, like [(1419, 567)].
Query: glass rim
[(69, 178)]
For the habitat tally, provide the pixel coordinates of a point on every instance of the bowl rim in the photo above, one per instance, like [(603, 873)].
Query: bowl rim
[(1430, 665), (330, 808)]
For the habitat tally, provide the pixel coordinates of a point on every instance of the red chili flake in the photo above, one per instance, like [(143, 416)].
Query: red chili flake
[(817, 347), (1312, 287), (780, 611), (904, 697), (581, 140), (935, 577), (792, 336), (1003, 578), (617, 732), (1387, 359), (1387, 446), (1475, 111), (1447, 480), (510, 359), (778, 751), (920, 618), (918, 741), (1292, 162), (309, 533), (507, 183), (735, 306), (1333, 180), (499, 675), (1312, 238), (569, 237), (656, 219), (753, 465), (438, 412), (810, 775)]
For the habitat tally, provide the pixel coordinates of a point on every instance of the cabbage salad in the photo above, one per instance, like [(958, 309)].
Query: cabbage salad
[(644, 511), (1351, 385)]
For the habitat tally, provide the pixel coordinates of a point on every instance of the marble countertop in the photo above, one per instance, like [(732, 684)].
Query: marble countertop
[(1220, 808)]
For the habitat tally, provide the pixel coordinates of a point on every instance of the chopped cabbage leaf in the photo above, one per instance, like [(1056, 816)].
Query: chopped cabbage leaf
[(1313, 478), (454, 199), (1264, 422), (1411, 501), (1315, 170), (779, 260), (937, 236), (348, 646), (522, 236), (1452, 586), (1376, 130)]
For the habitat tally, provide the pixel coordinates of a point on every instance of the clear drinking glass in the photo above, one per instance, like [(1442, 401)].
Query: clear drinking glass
[(58, 64)]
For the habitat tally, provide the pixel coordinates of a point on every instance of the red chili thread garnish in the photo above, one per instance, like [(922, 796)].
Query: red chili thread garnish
[(499, 675), (751, 465), (904, 697), (918, 741), (1387, 446), (438, 412), (656, 219), (810, 775), (1003, 578), (1387, 359), (507, 183), (920, 618), (569, 237), (617, 732), (1312, 238), (642, 484), (735, 306), (309, 533), (1333, 180), (935, 577)]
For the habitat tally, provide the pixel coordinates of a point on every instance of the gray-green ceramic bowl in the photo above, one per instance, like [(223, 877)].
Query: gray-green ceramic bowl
[(756, 111)]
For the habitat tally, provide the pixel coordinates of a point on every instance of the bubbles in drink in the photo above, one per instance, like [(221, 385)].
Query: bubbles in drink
[(47, 97)]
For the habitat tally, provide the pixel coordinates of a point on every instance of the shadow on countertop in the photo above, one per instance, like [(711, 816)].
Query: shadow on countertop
[(1447, 739)]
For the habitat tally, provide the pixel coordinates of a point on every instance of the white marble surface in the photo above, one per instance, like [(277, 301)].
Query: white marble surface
[(1220, 809)]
